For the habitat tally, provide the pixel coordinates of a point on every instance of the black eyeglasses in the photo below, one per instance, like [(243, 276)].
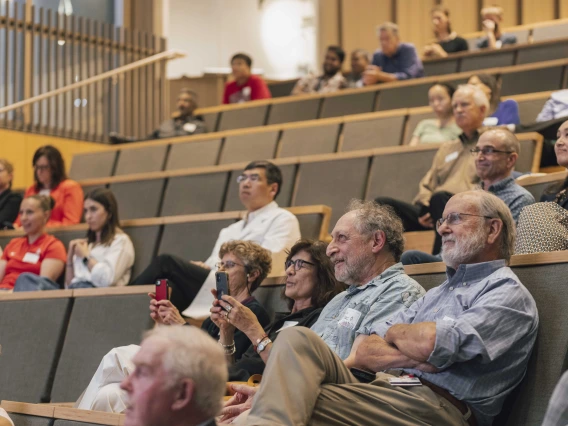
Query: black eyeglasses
[(227, 265), (254, 177), (456, 219), (298, 264), (488, 150)]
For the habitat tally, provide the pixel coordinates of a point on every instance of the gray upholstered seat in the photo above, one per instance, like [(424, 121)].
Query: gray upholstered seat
[(60, 422), (490, 59), (336, 106), (141, 160), (193, 154), (537, 189), (522, 35), (413, 121), (310, 225), (280, 89), (441, 67), (93, 165), (309, 140), (232, 201), (529, 110), (549, 52), (397, 175), (192, 240), (239, 118), (138, 199), (211, 120), (530, 81), (332, 183), (96, 325), (374, 133), (415, 95), (288, 112), (550, 32), (525, 160), (66, 236), (30, 333), (249, 147), (271, 300), (29, 420), (472, 43), (190, 194), (145, 241)]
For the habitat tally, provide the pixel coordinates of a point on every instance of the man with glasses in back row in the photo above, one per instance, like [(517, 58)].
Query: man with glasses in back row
[(265, 223)]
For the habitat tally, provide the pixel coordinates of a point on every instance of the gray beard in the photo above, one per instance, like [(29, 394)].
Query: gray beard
[(464, 250), (354, 270)]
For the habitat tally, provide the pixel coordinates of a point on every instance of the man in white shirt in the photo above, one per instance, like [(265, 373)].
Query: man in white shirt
[(267, 224)]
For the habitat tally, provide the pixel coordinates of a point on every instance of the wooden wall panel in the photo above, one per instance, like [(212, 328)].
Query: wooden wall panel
[(510, 6), (563, 9), (328, 25), (413, 19), (359, 24), (463, 15), (537, 11)]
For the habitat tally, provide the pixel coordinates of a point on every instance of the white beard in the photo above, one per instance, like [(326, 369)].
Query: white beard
[(464, 249)]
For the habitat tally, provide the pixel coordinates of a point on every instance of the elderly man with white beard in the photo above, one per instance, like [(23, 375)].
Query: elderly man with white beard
[(452, 357)]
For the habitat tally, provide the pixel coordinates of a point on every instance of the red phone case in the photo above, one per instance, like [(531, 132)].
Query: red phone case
[(162, 290)]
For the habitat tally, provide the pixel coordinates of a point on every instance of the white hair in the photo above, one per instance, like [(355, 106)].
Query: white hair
[(479, 98), (193, 354), (388, 26)]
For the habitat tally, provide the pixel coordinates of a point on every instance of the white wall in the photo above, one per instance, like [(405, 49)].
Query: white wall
[(280, 35)]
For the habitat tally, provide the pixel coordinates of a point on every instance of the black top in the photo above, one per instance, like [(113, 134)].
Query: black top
[(251, 362), (9, 206), (557, 193), (242, 342), (455, 45)]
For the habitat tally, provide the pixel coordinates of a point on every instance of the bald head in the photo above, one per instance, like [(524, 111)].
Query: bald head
[(497, 154)]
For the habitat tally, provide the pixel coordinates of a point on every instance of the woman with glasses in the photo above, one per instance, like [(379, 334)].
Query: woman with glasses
[(310, 285), (51, 179), (9, 201)]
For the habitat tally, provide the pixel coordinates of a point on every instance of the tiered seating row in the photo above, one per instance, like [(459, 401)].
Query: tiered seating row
[(325, 136), (329, 179), (516, 80)]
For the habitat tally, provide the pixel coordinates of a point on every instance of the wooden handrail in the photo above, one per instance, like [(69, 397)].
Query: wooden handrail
[(169, 54)]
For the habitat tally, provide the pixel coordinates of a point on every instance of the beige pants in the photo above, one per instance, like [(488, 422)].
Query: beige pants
[(306, 383)]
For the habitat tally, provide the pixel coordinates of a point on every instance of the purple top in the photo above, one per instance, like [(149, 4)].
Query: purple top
[(404, 64)]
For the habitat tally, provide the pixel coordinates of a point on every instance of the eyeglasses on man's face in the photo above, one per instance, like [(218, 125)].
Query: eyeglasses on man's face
[(253, 177), (456, 219), (488, 150), (298, 264)]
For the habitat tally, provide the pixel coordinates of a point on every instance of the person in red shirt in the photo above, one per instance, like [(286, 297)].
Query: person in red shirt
[(246, 87), (51, 179), (36, 253)]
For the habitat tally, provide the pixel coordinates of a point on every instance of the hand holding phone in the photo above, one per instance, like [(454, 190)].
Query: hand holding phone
[(162, 290), (222, 283)]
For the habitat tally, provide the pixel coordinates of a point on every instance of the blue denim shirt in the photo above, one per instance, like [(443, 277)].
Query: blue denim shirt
[(353, 311)]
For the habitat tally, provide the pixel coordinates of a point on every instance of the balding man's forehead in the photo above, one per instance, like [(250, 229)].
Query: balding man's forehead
[(463, 203)]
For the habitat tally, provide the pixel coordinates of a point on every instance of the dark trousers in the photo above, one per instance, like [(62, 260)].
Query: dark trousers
[(184, 277), (409, 213)]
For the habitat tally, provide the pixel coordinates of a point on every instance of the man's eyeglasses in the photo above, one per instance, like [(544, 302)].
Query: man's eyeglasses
[(487, 150), (254, 177), (298, 264), (456, 219), (229, 264)]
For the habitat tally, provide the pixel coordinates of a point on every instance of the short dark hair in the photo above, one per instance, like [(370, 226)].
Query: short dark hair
[(273, 173), (106, 198), (244, 57), (191, 93), (447, 87), (327, 286), (56, 163), (338, 51)]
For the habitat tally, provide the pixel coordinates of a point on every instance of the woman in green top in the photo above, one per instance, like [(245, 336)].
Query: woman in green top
[(442, 128)]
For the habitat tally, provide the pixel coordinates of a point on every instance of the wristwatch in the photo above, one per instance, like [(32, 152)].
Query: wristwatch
[(86, 260), (263, 344)]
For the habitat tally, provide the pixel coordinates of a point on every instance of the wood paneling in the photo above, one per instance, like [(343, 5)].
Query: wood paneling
[(563, 9), (413, 19), (463, 15), (533, 11), (328, 25)]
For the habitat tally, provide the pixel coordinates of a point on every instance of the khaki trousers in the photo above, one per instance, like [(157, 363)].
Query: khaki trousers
[(306, 383)]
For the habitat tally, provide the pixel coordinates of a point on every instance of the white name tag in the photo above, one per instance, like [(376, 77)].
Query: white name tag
[(189, 127), (405, 381), (31, 258), (288, 324), (449, 319), (490, 121), (246, 91), (350, 319), (452, 156)]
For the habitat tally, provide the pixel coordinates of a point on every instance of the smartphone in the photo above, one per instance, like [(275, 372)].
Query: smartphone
[(162, 290), (222, 280), (363, 376)]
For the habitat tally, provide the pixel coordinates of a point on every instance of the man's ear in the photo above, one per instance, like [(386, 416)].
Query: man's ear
[(379, 241), (273, 189), (495, 230), (184, 395), (512, 160)]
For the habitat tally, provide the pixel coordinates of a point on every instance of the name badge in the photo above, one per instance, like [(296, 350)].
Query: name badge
[(288, 324), (452, 156), (32, 258), (350, 319), (246, 91), (405, 381), (490, 121), (448, 319), (189, 127)]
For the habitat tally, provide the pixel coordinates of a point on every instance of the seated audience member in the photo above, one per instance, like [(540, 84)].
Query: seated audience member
[(453, 168), (443, 128), (247, 264), (557, 412), (273, 228), (447, 41), (171, 388), (495, 155), (183, 123), (359, 63), (51, 179), (36, 253), (310, 285), (468, 342), (491, 18), (246, 86), (500, 112), (555, 107), (103, 259), (9, 201), (331, 80), (395, 60), (559, 192)]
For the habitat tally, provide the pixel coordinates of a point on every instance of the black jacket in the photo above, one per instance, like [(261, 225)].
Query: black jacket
[(9, 206)]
